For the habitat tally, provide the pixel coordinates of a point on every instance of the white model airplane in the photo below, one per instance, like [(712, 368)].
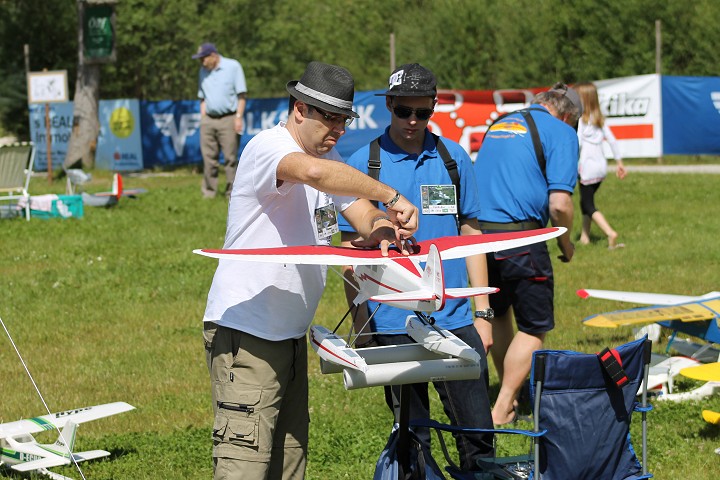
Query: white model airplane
[(698, 316), (20, 451), (399, 281)]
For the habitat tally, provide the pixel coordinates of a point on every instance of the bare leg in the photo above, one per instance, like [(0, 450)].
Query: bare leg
[(612, 235), (585, 235), (516, 368)]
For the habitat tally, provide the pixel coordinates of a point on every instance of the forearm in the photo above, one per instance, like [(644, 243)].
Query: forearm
[(332, 177), (476, 265), (561, 215), (242, 102)]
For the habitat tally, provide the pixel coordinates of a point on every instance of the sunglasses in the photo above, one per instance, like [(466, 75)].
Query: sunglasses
[(334, 119), (403, 112)]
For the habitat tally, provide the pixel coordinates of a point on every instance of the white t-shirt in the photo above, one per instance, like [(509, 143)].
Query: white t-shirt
[(592, 165), (268, 300)]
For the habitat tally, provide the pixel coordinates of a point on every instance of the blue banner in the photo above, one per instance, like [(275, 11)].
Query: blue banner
[(61, 115), (691, 115), (170, 132), (119, 145)]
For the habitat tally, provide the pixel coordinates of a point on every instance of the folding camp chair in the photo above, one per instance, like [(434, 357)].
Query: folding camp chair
[(582, 407), (16, 164)]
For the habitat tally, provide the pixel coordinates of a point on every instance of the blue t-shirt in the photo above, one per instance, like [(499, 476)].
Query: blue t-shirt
[(220, 87), (511, 185), (408, 173)]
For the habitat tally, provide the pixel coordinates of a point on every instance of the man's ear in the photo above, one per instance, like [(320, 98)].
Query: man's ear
[(300, 110), (388, 103)]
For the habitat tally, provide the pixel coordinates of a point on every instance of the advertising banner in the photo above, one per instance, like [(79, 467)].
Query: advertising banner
[(691, 115), (61, 115), (633, 110), (170, 132), (119, 146)]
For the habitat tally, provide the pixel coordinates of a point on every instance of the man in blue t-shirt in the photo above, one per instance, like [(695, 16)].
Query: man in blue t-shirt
[(410, 161), (523, 182)]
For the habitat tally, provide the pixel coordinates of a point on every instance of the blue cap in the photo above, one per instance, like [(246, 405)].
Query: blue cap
[(204, 50)]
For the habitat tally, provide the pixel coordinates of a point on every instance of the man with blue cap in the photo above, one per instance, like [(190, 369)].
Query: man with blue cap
[(222, 92)]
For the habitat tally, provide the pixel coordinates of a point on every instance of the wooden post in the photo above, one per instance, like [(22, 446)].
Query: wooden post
[(392, 52), (658, 66), (48, 144)]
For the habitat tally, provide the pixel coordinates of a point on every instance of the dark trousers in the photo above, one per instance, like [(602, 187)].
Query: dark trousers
[(466, 402)]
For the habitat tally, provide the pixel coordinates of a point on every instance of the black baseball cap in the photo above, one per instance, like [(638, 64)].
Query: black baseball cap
[(411, 80)]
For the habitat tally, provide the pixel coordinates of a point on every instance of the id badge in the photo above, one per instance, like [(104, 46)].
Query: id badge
[(326, 223), (438, 199)]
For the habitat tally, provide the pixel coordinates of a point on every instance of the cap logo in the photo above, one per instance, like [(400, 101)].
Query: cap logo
[(395, 79)]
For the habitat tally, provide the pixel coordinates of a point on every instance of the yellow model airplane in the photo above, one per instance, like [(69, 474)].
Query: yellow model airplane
[(709, 372)]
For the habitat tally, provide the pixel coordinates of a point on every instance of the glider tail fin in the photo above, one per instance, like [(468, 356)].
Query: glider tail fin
[(433, 277), (117, 187)]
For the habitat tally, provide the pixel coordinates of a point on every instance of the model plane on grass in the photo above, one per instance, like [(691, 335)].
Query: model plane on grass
[(709, 372), (400, 281), (698, 316), (21, 452), (76, 176)]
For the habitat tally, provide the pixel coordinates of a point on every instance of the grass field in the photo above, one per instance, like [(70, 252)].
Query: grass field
[(109, 307)]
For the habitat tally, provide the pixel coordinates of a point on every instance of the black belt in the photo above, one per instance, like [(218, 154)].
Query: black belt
[(222, 115), (514, 226)]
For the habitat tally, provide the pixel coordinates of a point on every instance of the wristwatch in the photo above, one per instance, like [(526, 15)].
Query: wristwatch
[(487, 314)]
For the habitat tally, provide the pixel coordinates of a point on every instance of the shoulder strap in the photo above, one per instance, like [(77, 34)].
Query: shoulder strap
[(539, 154), (374, 162), (534, 134), (450, 165)]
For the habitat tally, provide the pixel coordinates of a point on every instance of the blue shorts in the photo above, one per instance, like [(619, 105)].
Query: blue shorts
[(524, 276)]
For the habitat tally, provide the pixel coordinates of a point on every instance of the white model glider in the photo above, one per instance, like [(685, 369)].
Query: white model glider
[(398, 280), (20, 451)]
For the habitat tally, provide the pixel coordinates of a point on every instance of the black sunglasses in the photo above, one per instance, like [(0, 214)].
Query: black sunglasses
[(335, 119), (404, 112)]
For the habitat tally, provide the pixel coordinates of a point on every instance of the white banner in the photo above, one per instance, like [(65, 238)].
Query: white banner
[(633, 110)]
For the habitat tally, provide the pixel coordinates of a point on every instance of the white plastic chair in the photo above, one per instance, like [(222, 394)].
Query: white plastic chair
[(16, 164)]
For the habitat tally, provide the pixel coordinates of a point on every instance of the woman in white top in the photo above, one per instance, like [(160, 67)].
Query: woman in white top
[(592, 167)]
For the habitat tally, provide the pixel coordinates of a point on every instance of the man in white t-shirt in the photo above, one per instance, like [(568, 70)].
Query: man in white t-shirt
[(289, 191)]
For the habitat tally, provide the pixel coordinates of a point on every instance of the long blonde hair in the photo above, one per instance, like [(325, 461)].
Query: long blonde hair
[(591, 104)]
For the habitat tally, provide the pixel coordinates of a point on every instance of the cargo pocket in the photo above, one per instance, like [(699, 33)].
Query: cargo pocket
[(237, 416), (515, 263)]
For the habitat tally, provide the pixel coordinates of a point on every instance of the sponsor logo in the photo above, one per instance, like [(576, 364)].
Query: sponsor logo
[(122, 122), (396, 78), (189, 123), (513, 127), (623, 105)]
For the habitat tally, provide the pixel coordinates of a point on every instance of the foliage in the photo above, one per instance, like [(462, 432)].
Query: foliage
[(109, 307), (470, 44)]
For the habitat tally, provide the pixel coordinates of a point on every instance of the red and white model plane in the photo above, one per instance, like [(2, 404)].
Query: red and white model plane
[(400, 281)]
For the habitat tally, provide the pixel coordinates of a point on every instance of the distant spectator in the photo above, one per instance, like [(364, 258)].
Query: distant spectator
[(592, 169), (222, 92)]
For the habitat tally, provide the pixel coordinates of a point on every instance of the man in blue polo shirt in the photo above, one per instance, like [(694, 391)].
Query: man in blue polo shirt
[(222, 94), (411, 159), (526, 171)]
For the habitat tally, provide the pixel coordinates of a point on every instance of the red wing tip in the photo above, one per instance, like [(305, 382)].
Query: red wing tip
[(582, 293)]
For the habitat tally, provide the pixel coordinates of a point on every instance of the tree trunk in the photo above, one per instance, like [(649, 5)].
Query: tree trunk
[(86, 127)]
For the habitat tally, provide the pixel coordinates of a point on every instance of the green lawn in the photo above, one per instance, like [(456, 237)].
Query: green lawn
[(109, 308)]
